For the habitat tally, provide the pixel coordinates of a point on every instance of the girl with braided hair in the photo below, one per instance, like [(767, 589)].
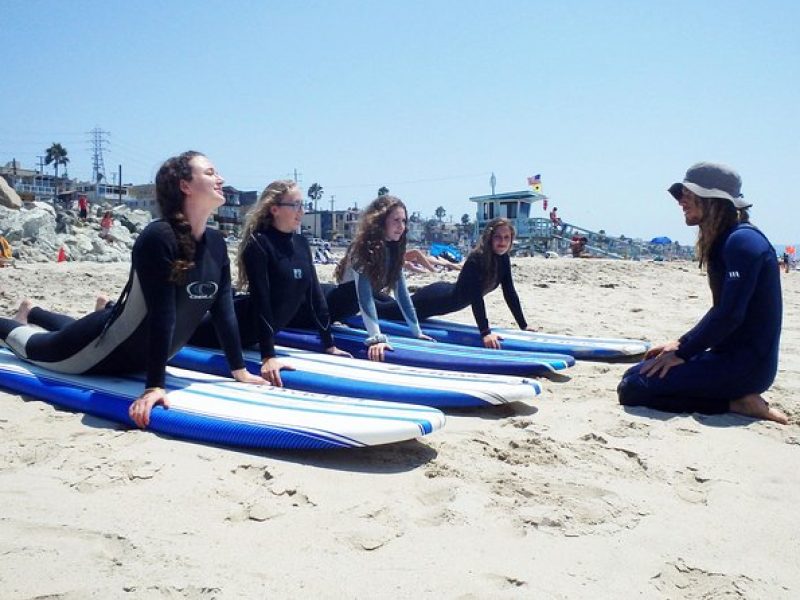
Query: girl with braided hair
[(179, 271)]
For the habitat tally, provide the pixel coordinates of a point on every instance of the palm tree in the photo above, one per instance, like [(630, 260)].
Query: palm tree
[(383, 191), (315, 193), (440, 213), (57, 155)]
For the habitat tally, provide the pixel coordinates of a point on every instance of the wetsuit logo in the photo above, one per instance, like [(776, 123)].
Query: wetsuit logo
[(298, 273), (202, 290), (733, 274)]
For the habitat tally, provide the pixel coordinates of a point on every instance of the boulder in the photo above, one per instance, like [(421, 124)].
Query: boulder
[(8, 196)]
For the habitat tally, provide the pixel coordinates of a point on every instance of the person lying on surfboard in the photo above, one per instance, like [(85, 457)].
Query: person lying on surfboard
[(179, 271), (730, 357), (276, 270), (486, 267), (372, 265)]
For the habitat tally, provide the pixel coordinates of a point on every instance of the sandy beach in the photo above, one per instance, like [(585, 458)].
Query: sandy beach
[(569, 497)]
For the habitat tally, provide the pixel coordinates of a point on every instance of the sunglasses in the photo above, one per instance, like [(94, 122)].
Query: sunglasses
[(297, 206)]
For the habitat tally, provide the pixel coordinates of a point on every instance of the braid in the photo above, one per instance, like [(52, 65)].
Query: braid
[(170, 199)]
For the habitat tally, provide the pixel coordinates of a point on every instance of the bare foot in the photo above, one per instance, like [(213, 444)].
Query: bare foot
[(22, 312), (100, 303), (753, 405)]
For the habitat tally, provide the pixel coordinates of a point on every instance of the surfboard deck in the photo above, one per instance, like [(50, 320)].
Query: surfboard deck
[(327, 374), (587, 348), (434, 355), (209, 408)]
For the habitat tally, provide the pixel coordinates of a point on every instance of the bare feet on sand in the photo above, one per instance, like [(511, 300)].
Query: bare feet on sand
[(753, 405), (22, 312), (100, 303)]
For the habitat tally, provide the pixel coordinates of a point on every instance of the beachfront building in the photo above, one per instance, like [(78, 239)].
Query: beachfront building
[(103, 193), (31, 185), (330, 225), (230, 216), (143, 197)]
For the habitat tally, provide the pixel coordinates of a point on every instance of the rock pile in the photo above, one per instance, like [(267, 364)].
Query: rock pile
[(37, 233)]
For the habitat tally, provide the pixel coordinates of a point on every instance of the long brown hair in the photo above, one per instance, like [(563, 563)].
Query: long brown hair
[(170, 200), (259, 216), (486, 256), (367, 253), (719, 215)]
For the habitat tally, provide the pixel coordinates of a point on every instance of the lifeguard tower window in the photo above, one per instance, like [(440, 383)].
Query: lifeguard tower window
[(488, 211), (510, 208)]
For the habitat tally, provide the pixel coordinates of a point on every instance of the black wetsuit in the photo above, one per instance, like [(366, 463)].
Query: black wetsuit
[(443, 297), (152, 320), (733, 349), (284, 292)]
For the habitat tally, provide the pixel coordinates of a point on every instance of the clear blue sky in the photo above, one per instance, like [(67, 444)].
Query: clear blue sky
[(609, 101)]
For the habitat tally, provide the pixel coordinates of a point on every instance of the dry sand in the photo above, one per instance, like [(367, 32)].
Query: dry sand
[(573, 497)]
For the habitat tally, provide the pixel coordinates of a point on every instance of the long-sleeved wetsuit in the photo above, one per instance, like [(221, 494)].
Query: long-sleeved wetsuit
[(733, 349), (443, 297), (152, 320), (284, 292)]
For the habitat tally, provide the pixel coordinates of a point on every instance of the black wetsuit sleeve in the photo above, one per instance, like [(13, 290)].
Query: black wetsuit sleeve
[(153, 255), (318, 306), (256, 262), (470, 285), (742, 257), (223, 317), (510, 292)]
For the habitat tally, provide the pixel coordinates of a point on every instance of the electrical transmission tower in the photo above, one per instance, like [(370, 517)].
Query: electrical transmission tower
[(99, 141)]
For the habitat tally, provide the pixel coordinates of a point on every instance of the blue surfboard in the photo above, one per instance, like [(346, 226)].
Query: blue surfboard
[(587, 348), (323, 373), (434, 355), (218, 410)]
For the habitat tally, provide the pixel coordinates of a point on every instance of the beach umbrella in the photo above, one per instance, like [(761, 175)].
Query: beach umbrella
[(661, 240)]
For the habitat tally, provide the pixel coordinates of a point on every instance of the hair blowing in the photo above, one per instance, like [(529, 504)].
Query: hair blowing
[(257, 218), (170, 200), (719, 215), (367, 253), (486, 256)]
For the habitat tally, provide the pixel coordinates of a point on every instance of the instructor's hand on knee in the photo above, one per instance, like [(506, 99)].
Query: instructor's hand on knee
[(661, 364), (140, 409)]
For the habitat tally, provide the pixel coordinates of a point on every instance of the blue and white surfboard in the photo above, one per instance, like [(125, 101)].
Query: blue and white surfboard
[(213, 409), (323, 373)]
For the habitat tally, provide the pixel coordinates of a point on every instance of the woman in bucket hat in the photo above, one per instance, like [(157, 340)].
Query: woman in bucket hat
[(730, 357)]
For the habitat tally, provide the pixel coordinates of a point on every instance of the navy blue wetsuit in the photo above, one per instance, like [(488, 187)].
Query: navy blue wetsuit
[(443, 297), (733, 349), (284, 292), (153, 319)]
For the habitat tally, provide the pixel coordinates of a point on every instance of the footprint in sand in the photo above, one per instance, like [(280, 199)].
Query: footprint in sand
[(677, 579)]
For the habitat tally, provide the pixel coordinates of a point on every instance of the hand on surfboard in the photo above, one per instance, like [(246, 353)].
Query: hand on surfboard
[(271, 371), (377, 351), (492, 340), (140, 409), (334, 351)]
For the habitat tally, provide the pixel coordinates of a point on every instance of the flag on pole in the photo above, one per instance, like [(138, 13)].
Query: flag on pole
[(536, 183)]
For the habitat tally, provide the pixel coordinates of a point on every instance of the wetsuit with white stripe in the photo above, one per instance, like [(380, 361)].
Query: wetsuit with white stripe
[(443, 297), (733, 349), (152, 320), (284, 292)]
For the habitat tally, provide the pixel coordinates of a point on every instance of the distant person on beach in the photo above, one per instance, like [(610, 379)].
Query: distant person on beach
[(106, 223), (787, 265), (179, 271), (277, 273), (558, 224), (486, 267), (730, 357), (577, 246), (83, 208), (419, 262), (372, 266)]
